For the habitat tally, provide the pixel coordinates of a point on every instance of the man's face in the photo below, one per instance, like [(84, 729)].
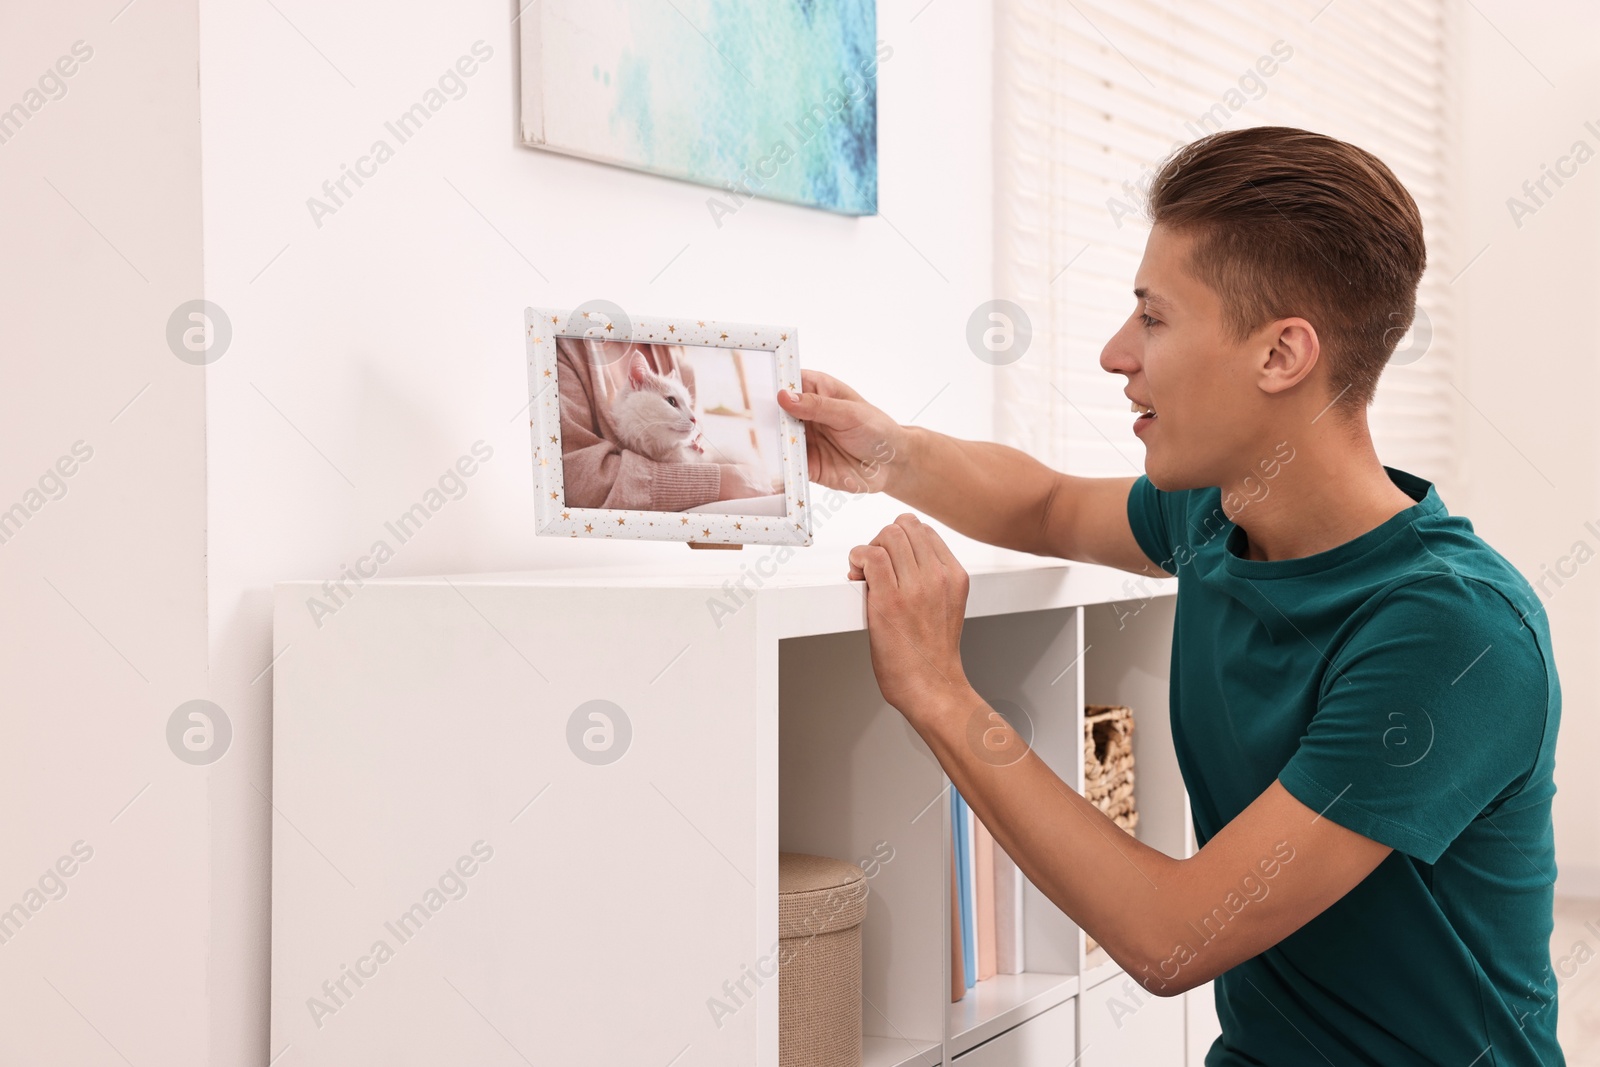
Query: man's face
[(1210, 422)]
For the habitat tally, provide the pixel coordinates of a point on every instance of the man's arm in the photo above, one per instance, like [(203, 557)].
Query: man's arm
[(1003, 496), (1172, 924), (988, 492)]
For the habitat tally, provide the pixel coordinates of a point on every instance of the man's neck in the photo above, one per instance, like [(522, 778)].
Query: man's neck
[(1334, 490)]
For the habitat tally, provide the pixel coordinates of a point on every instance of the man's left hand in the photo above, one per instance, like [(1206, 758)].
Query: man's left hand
[(916, 602)]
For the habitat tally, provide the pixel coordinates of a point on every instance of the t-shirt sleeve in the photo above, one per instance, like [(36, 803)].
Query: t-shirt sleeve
[(1433, 712), (1154, 514)]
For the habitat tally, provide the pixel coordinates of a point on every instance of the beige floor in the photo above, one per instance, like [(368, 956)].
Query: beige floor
[(1575, 955)]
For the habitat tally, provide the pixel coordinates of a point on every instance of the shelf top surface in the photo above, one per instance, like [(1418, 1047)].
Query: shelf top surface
[(763, 568), (666, 565), (710, 569), (810, 588)]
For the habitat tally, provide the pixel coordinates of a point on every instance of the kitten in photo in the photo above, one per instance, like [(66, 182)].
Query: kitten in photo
[(654, 415)]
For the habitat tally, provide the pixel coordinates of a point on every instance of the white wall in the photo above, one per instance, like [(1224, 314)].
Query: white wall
[(102, 591), (1529, 343), (389, 340)]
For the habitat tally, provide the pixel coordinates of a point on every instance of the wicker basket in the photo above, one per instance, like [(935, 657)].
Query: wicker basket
[(1108, 766), (821, 903)]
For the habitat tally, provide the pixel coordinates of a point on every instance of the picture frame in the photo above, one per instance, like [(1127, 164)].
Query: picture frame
[(604, 337)]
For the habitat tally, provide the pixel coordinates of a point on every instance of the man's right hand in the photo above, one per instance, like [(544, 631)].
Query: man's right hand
[(850, 444)]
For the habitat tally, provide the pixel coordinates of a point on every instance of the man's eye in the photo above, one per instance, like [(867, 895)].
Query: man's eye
[(1148, 321)]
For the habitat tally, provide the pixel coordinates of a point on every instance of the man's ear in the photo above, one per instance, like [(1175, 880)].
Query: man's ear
[(1292, 350)]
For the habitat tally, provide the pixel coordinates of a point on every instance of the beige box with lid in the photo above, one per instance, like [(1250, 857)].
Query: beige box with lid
[(821, 903)]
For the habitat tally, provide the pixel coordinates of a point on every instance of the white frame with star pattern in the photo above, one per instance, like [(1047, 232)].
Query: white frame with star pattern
[(555, 519)]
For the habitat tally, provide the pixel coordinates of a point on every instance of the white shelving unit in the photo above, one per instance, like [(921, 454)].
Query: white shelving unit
[(630, 907)]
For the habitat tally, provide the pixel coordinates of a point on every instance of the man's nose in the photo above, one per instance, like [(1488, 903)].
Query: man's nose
[(1120, 355)]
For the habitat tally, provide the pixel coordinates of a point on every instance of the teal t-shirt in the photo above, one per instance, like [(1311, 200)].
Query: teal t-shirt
[(1402, 685)]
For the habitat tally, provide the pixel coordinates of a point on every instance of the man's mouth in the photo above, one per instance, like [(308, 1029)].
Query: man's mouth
[(1146, 419)]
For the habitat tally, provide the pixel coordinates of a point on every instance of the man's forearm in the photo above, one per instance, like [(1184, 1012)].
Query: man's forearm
[(1127, 894), (988, 492)]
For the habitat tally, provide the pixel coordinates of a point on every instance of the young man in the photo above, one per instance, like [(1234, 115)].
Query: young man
[(1363, 698)]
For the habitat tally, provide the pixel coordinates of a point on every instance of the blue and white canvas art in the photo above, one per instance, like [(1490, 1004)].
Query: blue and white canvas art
[(777, 98)]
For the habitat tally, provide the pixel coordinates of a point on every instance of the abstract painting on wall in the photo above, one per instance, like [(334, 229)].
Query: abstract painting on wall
[(776, 99)]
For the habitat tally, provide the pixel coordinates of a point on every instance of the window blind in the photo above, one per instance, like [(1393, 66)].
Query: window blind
[(1092, 94)]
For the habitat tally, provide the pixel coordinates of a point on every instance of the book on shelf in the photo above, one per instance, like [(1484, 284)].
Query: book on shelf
[(1008, 879), (983, 902), (958, 984), (961, 827), (971, 890)]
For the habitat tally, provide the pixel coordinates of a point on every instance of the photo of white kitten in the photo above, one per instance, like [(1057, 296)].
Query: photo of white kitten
[(675, 418), (654, 415)]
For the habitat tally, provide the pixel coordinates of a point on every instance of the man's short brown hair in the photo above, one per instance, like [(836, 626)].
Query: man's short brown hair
[(1293, 223)]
